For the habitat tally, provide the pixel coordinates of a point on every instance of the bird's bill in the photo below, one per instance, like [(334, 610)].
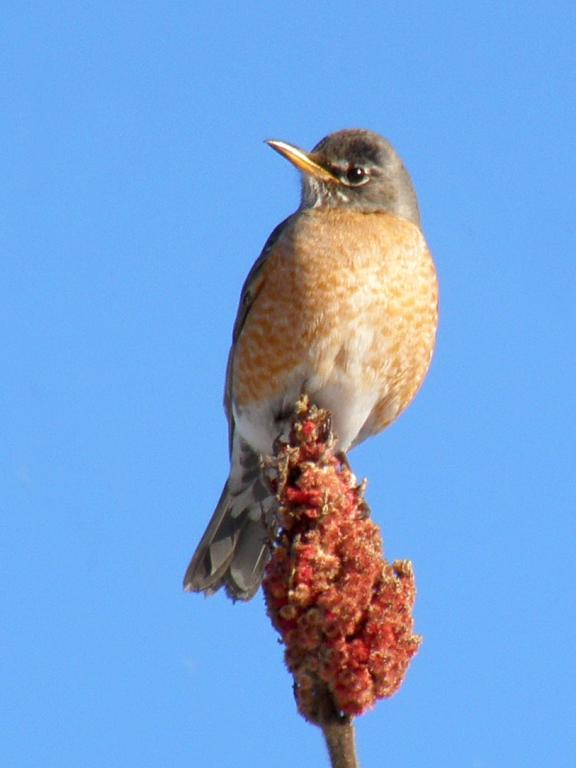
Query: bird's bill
[(302, 160)]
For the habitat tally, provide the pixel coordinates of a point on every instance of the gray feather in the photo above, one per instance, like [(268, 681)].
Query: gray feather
[(235, 547), (234, 550)]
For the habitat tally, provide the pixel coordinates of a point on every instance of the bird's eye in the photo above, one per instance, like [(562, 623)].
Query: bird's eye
[(356, 175)]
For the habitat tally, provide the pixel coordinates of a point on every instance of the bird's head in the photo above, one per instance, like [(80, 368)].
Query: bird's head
[(353, 169)]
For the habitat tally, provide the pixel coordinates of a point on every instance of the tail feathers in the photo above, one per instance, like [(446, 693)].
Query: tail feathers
[(235, 547)]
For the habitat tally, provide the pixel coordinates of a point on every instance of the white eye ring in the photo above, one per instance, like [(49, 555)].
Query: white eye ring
[(355, 176)]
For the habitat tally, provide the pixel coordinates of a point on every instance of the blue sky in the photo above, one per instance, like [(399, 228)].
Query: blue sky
[(136, 193)]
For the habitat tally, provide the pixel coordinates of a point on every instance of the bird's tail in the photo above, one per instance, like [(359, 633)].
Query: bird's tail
[(235, 547)]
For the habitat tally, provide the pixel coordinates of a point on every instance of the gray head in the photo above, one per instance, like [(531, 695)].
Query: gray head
[(354, 169)]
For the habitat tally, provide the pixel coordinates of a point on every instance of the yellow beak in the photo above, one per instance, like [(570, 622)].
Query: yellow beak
[(302, 160)]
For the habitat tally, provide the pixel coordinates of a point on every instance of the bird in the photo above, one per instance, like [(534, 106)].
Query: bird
[(341, 305)]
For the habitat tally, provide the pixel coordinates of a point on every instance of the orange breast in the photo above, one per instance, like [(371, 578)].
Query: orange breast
[(343, 296)]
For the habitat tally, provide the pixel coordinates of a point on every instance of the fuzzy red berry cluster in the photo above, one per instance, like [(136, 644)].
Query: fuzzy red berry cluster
[(344, 613)]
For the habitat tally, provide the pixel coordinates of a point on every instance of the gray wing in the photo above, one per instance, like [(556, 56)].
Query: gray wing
[(250, 290), (236, 544)]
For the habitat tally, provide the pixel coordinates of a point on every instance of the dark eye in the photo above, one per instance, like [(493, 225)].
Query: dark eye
[(356, 175)]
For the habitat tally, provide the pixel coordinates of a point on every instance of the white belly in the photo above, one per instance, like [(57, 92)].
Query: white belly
[(343, 388)]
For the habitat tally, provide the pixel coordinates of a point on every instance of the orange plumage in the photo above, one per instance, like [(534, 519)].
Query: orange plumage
[(350, 296), (341, 306)]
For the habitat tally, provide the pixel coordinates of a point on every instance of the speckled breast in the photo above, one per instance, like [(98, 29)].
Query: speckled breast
[(344, 299)]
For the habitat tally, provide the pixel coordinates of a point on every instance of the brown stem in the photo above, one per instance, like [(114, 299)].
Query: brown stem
[(341, 743), (338, 730)]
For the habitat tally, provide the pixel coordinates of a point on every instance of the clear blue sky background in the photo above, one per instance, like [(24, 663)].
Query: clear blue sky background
[(135, 194)]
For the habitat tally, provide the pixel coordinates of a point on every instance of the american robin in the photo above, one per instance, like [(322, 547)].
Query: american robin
[(340, 305)]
